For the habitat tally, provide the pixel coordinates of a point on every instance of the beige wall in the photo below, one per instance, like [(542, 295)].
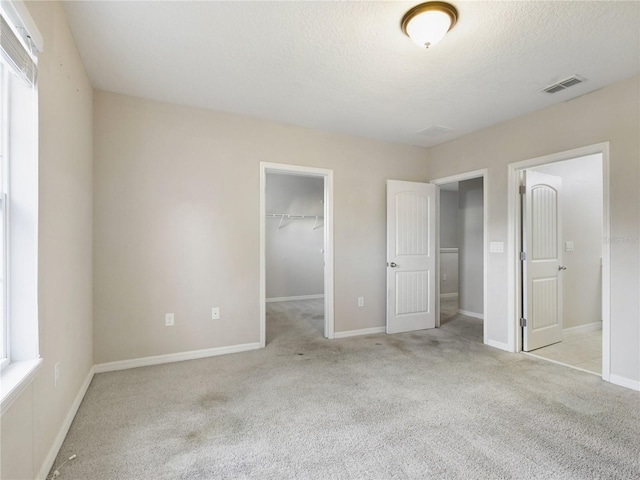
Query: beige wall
[(449, 239), (31, 424), (610, 114), (448, 219), (470, 240), (177, 222)]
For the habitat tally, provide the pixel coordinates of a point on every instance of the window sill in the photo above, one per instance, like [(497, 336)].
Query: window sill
[(15, 378)]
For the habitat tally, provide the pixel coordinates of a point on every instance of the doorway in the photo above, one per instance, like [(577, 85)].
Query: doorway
[(462, 227), (562, 312), (296, 244), (576, 270), (449, 251)]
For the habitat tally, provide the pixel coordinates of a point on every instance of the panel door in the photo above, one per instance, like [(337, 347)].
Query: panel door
[(411, 256), (543, 265)]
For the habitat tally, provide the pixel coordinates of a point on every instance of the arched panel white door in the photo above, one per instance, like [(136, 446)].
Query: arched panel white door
[(543, 267), (411, 256)]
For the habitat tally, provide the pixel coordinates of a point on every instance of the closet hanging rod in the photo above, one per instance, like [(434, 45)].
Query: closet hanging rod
[(289, 216)]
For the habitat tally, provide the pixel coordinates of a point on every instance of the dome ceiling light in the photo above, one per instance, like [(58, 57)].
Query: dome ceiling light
[(426, 24)]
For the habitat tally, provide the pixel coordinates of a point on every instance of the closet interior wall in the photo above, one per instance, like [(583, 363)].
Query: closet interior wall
[(294, 236)]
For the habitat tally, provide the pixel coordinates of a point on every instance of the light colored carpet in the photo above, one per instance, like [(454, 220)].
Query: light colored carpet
[(430, 404), (448, 309)]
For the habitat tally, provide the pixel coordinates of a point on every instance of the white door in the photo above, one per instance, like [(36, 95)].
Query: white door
[(411, 256), (542, 268)]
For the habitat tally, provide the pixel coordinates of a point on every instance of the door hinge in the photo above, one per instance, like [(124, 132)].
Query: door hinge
[(523, 256), (523, 322), (522, 189)]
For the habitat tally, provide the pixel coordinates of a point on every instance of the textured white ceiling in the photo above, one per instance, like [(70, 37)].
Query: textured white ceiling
[(347, 66)]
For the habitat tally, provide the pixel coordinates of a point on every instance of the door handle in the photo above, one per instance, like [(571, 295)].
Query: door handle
[(561, 267), (392, 264)]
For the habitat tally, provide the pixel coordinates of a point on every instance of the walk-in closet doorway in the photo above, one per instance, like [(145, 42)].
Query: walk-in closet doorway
[(296, 243)]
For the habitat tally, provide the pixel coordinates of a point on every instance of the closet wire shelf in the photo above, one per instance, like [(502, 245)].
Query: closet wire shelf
[(290, 216)]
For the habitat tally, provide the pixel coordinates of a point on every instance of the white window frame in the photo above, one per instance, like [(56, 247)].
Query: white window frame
[(19, 356), (5, 352), (5, 347)]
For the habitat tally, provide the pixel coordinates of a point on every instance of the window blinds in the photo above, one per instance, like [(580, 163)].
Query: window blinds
[(15, 55)]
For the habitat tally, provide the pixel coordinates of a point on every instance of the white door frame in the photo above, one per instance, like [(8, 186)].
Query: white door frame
[(514, 267), (484, 174), (281, 168)]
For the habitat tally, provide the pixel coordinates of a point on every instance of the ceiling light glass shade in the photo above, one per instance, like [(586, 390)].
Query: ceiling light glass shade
[(428, 23)]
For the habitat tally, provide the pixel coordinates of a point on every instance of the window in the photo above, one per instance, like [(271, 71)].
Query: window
[(19, 357)]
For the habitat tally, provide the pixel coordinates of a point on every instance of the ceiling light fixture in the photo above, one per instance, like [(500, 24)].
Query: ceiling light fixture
[(426, 24)]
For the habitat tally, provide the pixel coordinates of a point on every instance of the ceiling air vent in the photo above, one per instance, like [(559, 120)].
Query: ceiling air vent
[(563, 84), (435, 131)]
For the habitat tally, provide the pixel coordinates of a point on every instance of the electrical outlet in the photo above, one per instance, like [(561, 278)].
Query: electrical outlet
[(56, 374), (215, 313), (169, 320), (361, 301)]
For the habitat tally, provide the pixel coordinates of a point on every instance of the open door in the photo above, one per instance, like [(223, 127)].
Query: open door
[(542, 266), (411, 256)]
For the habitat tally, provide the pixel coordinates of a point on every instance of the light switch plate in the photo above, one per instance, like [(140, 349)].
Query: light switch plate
[(568, 246), (496, 247)]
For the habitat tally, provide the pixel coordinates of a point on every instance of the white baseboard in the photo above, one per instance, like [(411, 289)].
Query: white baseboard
[(449, 295), (624, 382), (582, 328), (362, 331), (471, 314), (500, 345), (64, 428), (290, 299), (173, 357)]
